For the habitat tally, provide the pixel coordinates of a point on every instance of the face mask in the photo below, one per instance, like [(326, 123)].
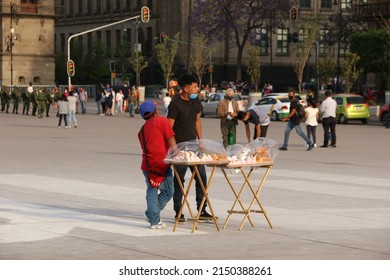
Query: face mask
[(193, 95), (229, 98), (291, 97)]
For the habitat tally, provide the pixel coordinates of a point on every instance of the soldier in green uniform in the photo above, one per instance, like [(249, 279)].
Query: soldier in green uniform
[(41, 99), (26, 101), (5, 97), (49, 100), (15, 100), (33, 100)]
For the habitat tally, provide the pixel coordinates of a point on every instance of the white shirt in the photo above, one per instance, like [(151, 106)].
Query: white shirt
[(311, 116), (328, 108), (167, 100), (230, 109)]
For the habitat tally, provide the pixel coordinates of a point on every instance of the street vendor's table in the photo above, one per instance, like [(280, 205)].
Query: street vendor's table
[(186, 191), (255, 192)]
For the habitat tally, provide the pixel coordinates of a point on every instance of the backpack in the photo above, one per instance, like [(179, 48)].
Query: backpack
[(301, 111)]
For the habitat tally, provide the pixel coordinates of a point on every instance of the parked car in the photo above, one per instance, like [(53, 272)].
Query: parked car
[(351, 107), (277, 107), (210, 104), (384, 115)]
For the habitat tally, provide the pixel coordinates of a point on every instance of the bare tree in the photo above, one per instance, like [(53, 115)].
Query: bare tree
[(326, 68), (138, 62), (166, 53), (301, 50), (199, 58)]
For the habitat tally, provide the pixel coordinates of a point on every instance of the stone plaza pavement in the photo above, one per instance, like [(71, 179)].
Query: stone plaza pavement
[(79, 194)]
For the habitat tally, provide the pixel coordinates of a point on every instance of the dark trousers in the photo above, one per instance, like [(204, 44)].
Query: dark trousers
[(229, 125), (60, 119), (311, 131), (329, 124), (263, 131), (178, 195)]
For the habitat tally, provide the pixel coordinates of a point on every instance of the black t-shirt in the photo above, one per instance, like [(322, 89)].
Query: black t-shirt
[(184, 112), (294, 105)]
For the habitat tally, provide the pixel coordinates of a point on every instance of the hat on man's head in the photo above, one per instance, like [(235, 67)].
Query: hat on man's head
[(147, 108)]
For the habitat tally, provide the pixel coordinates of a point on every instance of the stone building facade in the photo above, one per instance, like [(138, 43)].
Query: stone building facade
[(27, 49)]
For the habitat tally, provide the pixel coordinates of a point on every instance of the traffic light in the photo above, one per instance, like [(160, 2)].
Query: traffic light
[(71, 68), (162, 37), (295, 37), (112, 66), (145, 14)]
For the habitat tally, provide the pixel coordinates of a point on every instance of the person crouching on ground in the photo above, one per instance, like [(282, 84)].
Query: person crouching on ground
[(155, 137)]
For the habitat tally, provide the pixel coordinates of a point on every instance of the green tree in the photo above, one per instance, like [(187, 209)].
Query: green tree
[(254, 67), (98, 65), (351, 70), (166, 53), (300, 51), (326, 68), (122, 53), (373, 48)]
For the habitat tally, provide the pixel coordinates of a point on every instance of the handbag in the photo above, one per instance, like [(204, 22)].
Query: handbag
[(156, 175)]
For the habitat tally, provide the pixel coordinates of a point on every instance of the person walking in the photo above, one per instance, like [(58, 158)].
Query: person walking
[(119, 101), (83, 96), (167, 99), (293, 121), (41, 99), (98, 98), (155, 138), (63, 106), (227, 111), (15, 100), (132, 101), (184, 116), (26, 102), (311, 121), (328, 112), (259, 118), (72, 109)]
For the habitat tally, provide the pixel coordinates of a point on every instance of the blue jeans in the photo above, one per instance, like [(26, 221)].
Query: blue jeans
[(131, 109), (83, 107), (99, 107), (290, 125), (157, 198), (72, 117)]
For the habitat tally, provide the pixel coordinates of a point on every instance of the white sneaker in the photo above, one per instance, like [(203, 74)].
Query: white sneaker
[(315, 145), (160, 225), (59, 127), (66, 127)]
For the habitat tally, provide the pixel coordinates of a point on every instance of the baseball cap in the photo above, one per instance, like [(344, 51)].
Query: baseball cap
[(147, 108)]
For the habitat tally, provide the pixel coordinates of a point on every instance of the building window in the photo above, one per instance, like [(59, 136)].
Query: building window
[(29, 6), (22, 80), (263, 41), (324, 41), (128, 5), (89, 7), (138, 5), (98, 6), (37, 80), (108, 6), (128, 32), (89, 42), (150, 4), (118, 5), (80, 7), (327, 4), (305, 4), (118, 37), (99, 37), (346, 4), (62, 43), (108, 42), (282, 41)]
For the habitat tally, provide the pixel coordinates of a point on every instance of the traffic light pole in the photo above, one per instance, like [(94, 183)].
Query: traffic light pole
[(92, 30)]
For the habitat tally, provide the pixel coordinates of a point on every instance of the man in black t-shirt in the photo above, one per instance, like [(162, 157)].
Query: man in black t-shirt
[(184, 116), (259, 118), (294, 122)]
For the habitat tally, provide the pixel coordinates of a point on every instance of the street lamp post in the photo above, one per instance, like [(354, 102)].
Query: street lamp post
[(9, 41), (338, 4)]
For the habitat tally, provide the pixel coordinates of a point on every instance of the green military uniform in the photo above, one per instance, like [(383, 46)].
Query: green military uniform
[(26, 101), (33, 100), (41, 99), (15, 99), (5, 97), (49, 100)]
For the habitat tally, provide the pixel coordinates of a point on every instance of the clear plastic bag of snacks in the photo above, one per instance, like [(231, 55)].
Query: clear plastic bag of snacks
[(261, 151), (196, 151)]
